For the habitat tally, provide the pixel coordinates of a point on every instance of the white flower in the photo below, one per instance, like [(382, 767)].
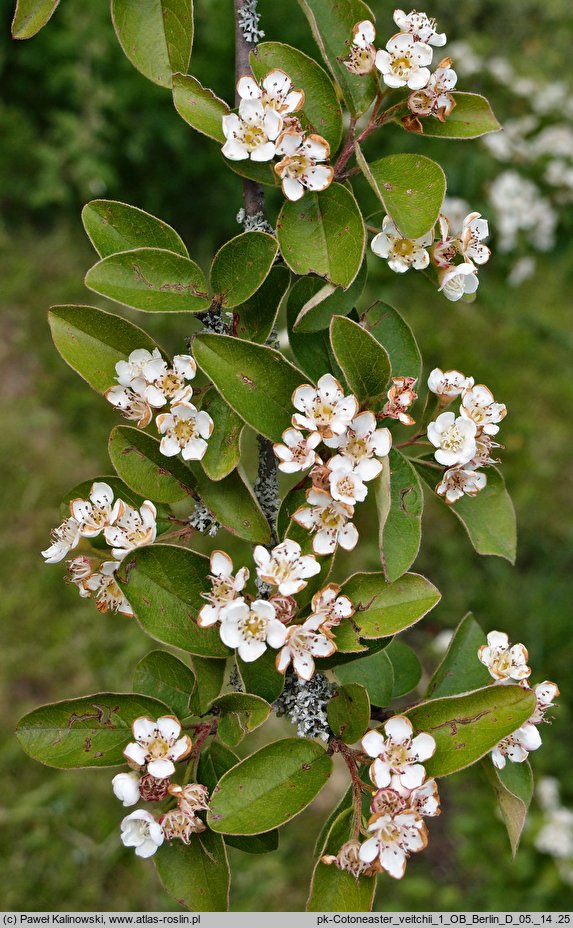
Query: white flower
[(132, 528), (458, 481), (474, 231), (330, 520), (448, 384), (141, 831), (191, 798), (456, 281), (126, 787), (503, 661), (545, 694), (64, 538), (285, 566), (157, 744), (252, 132), (94, 514), (479, 406), (454, 439), (297, 452), (133, 368), (516, 746), (169, 384), (404, 62), (324, 408), (301, 166), (224, 588), (362, 54), (424, 799), (395, 838), (398, 754), (401, 253), (361, 444), (303, 643), (345, 484), (108, 595), (275, 93), (328, 608), (79, 570), (185, 430), (435, 98), (420, 26), (131, 402), (250, 628)]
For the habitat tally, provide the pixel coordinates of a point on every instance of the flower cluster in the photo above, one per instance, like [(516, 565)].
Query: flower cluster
[(123, 528), (403, 798), (455, 279), (156, 748), (463, 443), (324, 414), (508, 664), (250, 625), (146, 383), (265, 127)]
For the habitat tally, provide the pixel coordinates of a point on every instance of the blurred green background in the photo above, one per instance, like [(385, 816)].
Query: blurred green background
[(78, 122)]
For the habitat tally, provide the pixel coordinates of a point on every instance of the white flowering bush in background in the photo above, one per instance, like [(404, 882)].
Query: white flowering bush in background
[(339, 420)]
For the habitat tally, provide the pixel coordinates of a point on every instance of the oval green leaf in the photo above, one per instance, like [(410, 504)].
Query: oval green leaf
[(232, 502), (400, 503), (196, 874), (364, 362), (262, 677), (113, 227), (224, 446), (374, 672), (329, 301), (199, 106), (269, 788), (460, 669), (383, 609), (334, 890), (31, 16), (137, 459), (513, 789), (396, 337), (209, 674), (471, 117), (406, 667), (312, 351), (251, 710), (323, 234), (156, 35), (254, 319), (349, 712), (163, 676), (241, 266)]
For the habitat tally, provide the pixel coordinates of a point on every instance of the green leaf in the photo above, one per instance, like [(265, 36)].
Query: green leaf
[(209, 674), (400, 503), (410, 187), (31, 16), (251, 710), (241, 266), (165, 677), (163, 584), (488, 518), (460, 669), (349, 712), (323, 234), (196, 874), (407, 670), (513, 789), (256, 381), (137, 459), (330, 301), (347, 640), (92, 341), (260, 172), (150, 279), (334, 890), (224, 446), (374, 672), (383, 609), (395, 335), (343, 805), (156, 35), (92, 731), (113, 227), (199, 106), (364, 362), (262, 677), (472, 117), (269, 788), (232, 502), (312, 351), (466, 727), (332, 25), (321, 107), (254, 319)]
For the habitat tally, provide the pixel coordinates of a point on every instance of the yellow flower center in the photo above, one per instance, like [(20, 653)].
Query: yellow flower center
[(345, 486), (157, 748), (403, 247), (402, 65), (452, 439), (184, 430), (397, 755), (254, 626), (254, 136), (170, 383)]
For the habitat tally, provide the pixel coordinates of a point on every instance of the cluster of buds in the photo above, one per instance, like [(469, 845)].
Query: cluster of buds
[(156, 748), (455, 279), (123, 528), (324, 414), (250, 625), (145, 384), (404, 797), (463, 443), (265, 127), (508, 664), (405, 63)]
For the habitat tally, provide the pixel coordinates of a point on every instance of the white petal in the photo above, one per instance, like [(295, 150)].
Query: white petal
[(373, 743), (398, 728), (423, 746), (161, 768), (251, 650)]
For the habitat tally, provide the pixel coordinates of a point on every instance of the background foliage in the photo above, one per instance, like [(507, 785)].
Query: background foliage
[(78, 122)]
